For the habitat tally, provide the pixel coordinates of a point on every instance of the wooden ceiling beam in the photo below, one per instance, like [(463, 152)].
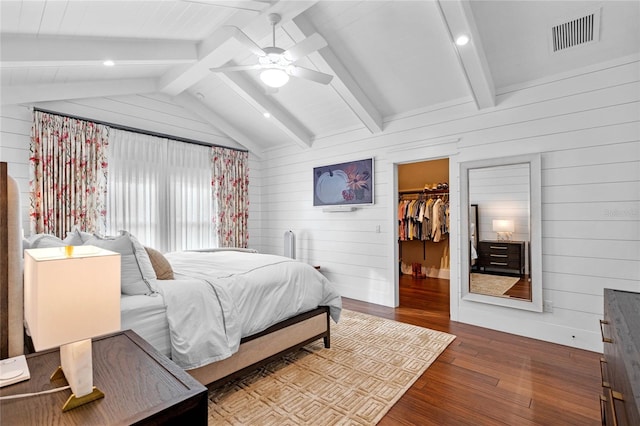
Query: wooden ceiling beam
[(458, 19), (325, 60), (19, 51), (256, 97)]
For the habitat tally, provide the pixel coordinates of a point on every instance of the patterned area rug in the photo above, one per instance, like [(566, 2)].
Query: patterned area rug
[(370, 365), (493, 285)]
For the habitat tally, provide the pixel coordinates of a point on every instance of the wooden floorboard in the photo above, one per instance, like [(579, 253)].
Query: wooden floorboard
[(487, 377)]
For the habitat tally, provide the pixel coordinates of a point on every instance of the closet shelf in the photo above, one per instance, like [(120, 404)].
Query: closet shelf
[(423, 191)]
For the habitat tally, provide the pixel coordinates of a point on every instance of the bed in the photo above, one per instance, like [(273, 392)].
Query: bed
[(269, 305), (264, 305)]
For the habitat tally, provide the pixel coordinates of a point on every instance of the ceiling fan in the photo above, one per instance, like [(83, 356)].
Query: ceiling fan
[(278, 64)]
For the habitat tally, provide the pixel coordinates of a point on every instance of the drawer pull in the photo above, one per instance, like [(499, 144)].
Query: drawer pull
[(499, 255), (602, 363), (618, 396), (603, 408), (604, 339), (499, 263), (498, 247)]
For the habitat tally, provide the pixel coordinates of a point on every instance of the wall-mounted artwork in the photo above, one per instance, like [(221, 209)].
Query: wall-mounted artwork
[(349, 183)]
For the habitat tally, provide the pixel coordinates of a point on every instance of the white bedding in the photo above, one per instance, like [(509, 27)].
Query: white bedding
[(147, 316), (219, 297)]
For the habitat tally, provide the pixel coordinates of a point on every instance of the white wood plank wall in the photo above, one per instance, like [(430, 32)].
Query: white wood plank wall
[(587, 129)]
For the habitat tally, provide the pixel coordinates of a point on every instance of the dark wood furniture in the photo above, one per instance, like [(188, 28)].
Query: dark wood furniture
[(11, 295), (501, 256), (4, 263), (141, 386), (620, 365)]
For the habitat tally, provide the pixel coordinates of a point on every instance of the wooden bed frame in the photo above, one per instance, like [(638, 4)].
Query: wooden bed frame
[(254, 351), (270, 344)]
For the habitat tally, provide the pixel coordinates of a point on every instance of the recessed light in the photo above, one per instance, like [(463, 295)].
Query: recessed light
[(108, 63), (266, 114), (462, 40)]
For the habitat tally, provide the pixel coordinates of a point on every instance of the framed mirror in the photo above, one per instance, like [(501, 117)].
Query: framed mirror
[(501, 232)]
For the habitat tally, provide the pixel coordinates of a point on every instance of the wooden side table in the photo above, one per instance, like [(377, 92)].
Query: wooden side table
[(141, 386)]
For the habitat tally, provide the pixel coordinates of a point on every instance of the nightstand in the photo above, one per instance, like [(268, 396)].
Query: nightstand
[(501, 256), (141, 386)]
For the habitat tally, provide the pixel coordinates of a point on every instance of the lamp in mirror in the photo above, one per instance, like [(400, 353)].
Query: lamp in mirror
[(503, 228), (69, 300)]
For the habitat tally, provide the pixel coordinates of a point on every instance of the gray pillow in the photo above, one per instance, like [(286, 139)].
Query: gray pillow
[(42, 241), (78, 237), (144, 261), (132, 279)]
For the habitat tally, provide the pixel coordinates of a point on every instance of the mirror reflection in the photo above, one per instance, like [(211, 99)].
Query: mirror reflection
[(499, 231)]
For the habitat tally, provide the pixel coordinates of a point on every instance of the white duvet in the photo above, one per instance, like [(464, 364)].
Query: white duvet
[(219, 297)]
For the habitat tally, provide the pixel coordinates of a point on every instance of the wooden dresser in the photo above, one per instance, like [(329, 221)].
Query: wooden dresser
[(501, 256), (620, 365)]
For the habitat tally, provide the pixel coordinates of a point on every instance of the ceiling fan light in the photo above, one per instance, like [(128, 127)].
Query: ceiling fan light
[(274, 77)]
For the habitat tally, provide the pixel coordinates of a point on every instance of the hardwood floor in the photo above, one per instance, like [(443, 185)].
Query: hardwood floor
[(521, 289), (487, 377)]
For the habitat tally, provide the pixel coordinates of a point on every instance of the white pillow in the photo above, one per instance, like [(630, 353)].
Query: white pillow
[(136, 271), (78, 237), (144, 261), (47, 240)]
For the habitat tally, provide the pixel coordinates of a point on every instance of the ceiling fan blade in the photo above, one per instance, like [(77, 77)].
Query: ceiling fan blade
[(310, 44), (237, 68), (318, 77), (244, 39)]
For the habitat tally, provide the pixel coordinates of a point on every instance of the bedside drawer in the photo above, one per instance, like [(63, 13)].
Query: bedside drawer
[(501, 255)]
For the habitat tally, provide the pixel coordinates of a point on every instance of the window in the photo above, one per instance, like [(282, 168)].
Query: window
[(160, 191)]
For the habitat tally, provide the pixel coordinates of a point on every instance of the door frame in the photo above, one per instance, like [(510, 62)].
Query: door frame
[(443, 149)]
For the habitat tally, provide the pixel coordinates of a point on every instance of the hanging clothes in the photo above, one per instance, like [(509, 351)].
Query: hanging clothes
[(423, 219)]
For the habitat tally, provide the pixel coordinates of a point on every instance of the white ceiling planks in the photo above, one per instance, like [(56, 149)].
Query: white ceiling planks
[(388, 58)]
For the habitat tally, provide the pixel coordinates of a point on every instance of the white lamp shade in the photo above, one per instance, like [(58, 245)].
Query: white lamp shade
[(503, 225), (68, 299), (274, 77)]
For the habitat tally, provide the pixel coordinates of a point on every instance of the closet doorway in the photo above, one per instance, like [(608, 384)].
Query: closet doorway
[(423, 235)]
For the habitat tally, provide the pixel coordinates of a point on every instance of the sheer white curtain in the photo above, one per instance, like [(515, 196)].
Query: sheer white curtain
[(160, 191)]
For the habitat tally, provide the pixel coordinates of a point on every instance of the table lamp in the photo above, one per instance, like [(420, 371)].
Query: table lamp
[(72, 295), (503, 228)]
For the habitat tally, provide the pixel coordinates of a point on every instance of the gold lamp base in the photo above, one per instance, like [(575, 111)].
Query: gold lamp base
[(73, 401)]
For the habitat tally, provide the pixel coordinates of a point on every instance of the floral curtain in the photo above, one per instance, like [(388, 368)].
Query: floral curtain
[(230, 186), (68, 174)]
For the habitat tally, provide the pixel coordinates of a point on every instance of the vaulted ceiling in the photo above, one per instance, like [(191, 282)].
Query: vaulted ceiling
[(388, 59)]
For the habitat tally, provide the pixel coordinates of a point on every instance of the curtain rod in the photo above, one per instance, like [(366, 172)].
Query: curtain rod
[(135, 130)]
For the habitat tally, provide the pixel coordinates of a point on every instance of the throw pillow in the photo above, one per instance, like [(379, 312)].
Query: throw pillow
[(160, 264)]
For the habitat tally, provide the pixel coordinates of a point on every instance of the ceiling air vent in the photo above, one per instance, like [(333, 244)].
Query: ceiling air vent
[(575, 32)]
